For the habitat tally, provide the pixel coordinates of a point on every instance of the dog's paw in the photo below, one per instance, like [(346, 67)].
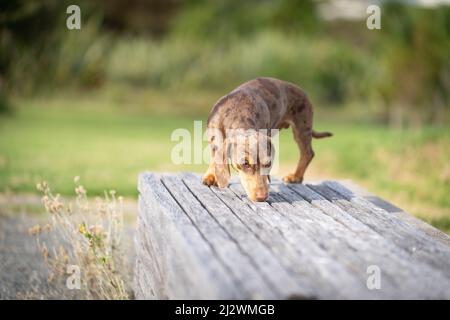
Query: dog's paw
[(209, 180), (292, 178)]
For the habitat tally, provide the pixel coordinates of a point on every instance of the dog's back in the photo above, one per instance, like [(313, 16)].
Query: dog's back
[(262, 103)]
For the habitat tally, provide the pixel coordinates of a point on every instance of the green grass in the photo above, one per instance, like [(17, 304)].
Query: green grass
[(106, 149), (108, 140)]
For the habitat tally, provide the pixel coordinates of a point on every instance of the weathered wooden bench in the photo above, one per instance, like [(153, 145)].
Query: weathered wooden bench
[(309, 241)]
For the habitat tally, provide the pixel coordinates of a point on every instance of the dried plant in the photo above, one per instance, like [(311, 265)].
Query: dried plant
[(88, 234)]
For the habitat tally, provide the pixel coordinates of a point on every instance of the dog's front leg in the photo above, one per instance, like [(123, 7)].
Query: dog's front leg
[(303, 140), (209, 178)]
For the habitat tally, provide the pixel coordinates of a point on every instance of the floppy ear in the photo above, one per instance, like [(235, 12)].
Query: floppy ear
[(266, 149), (221, 166)]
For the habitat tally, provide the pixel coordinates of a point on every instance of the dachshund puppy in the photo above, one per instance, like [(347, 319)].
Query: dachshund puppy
[(239, 128)]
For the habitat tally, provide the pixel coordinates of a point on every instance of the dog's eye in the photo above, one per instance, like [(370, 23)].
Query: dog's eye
[(266, 165)]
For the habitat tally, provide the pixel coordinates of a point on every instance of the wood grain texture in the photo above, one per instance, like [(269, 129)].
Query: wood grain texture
[(188, 267), (308, 241)]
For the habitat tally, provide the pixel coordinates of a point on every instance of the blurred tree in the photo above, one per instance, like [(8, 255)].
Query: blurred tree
[(151, 17), (25, 26), (220, 43), (297, 16), (34, 45), (339, 75), (415, 49), (225, 19)]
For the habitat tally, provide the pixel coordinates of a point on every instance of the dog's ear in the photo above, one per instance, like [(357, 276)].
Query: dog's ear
[(266, 150), (222, 167)]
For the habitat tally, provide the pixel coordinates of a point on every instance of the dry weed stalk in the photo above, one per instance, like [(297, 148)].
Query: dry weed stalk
[(89, 236)]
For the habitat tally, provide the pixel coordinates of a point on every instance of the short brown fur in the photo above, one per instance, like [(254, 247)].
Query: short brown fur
[(262, 103)]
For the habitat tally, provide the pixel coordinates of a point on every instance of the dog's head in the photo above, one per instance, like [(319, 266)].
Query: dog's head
[(250, 153)]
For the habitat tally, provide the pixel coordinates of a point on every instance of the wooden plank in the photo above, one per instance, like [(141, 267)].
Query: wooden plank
[(353, 249), (143, 287), (434, 233), (413, 277), (138, 293), (334, 238), (418, 244), (307, 256), (306, 241), (392, 214), (149, 258), (139, 276), (248, 278), (268, 264), (190, 268)]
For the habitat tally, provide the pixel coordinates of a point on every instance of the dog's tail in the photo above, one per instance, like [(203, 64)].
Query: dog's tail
[(319, 135)]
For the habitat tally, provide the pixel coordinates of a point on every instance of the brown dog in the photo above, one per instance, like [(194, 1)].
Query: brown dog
[(236, 129)]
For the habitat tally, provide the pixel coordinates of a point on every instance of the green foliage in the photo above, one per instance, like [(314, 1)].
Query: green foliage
[(5, 104), (441, 223), (330, 71), (216, 45), (37, 51), (80, 59), (224, 20), (340, 72), (29, 33), (416, 53)]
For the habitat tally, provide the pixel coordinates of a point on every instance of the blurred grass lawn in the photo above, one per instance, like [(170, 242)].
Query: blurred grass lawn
[(107, 144)]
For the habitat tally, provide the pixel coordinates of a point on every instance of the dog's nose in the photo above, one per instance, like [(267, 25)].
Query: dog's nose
[(261, 196)]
